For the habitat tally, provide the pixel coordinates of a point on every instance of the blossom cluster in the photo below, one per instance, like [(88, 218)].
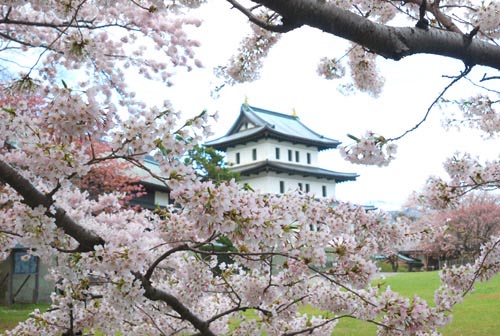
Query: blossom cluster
[(364, 71), (479, 112), (486, 16), (330, 68), (466, 173), (246, 64), (371, 149), (464, 170), (218, 249)]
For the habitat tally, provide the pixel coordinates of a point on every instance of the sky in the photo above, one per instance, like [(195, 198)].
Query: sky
[(289, 81)]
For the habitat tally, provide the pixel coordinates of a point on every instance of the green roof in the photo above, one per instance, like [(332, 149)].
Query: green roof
[(254, 123)]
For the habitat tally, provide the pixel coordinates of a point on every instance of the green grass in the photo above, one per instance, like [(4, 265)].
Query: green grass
[(408, 284), (476, 316), (479, 314), (11, 315)]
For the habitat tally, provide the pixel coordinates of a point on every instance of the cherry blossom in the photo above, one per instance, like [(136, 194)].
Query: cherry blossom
[(118, 270), (371, 149)]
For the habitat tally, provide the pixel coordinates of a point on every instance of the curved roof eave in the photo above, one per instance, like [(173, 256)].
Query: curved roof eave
[(267, 165), (265, 131), (273, 124)]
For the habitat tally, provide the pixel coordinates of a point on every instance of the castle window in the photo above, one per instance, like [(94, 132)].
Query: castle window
[(300, 185), (297, 156), (308, 187), (323, 188), (277, 153), (254, 154), (282, 187), (237, 158), (308, 158), (290, 158)]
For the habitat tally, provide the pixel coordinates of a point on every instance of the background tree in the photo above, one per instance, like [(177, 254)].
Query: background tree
[(78, 56), (110, 177), (210, 164), (460, 232)]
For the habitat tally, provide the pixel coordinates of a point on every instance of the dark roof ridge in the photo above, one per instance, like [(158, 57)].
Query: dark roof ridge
[(250, 114), (259, 109), (284, 115), (270, 124)]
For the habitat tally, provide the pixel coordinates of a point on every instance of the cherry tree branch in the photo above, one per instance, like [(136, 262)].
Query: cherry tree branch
[(33, 197), (347, 288), (486, 78), (237, 309), (436, 100), (476, 185), (435, 9), (283, 28), (156, 294), (314, 327), (480, 269), (389, 42), (183, 247), (88, 240), (77, 24)]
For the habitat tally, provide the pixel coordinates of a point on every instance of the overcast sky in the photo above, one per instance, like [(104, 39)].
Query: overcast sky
[(289, 81)]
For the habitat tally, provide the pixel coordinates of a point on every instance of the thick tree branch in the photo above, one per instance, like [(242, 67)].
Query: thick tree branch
[(434, 8), (284, 28), (436, 100), (164, 256), (34, 198), (87, 239), (389, 42), (155, 294)]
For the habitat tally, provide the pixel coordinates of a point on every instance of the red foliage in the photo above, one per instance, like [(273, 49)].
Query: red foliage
[(110, 176), (461, 232)]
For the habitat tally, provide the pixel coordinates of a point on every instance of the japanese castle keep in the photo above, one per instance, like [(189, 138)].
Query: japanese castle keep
[(276, 152)]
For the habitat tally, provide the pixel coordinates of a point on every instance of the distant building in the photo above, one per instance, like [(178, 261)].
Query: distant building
[(22, 279), (157, 193), (276, 152)]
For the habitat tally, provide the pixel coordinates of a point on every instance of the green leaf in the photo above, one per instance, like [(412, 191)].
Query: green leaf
[(9, 110), (353, 137), (247, 187), (225, 241)]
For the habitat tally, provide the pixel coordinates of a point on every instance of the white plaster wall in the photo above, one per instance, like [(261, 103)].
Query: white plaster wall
[(245, 153), (161, 198), (266, 149), (270, 183)]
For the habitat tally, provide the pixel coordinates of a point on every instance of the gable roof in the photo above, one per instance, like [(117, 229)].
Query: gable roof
[(255, 123), (293, 169)]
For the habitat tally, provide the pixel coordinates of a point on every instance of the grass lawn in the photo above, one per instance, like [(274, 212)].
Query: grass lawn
[(13, 314), (478, 315), (408, 284)]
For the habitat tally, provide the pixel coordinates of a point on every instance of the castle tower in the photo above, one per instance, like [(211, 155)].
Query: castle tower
[(275, 152)]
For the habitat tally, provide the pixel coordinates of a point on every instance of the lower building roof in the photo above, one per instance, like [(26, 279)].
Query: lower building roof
[(292, 169)]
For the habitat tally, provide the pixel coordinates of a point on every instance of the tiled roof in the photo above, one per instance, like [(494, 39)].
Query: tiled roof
[(280, 167), (268, 124)]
